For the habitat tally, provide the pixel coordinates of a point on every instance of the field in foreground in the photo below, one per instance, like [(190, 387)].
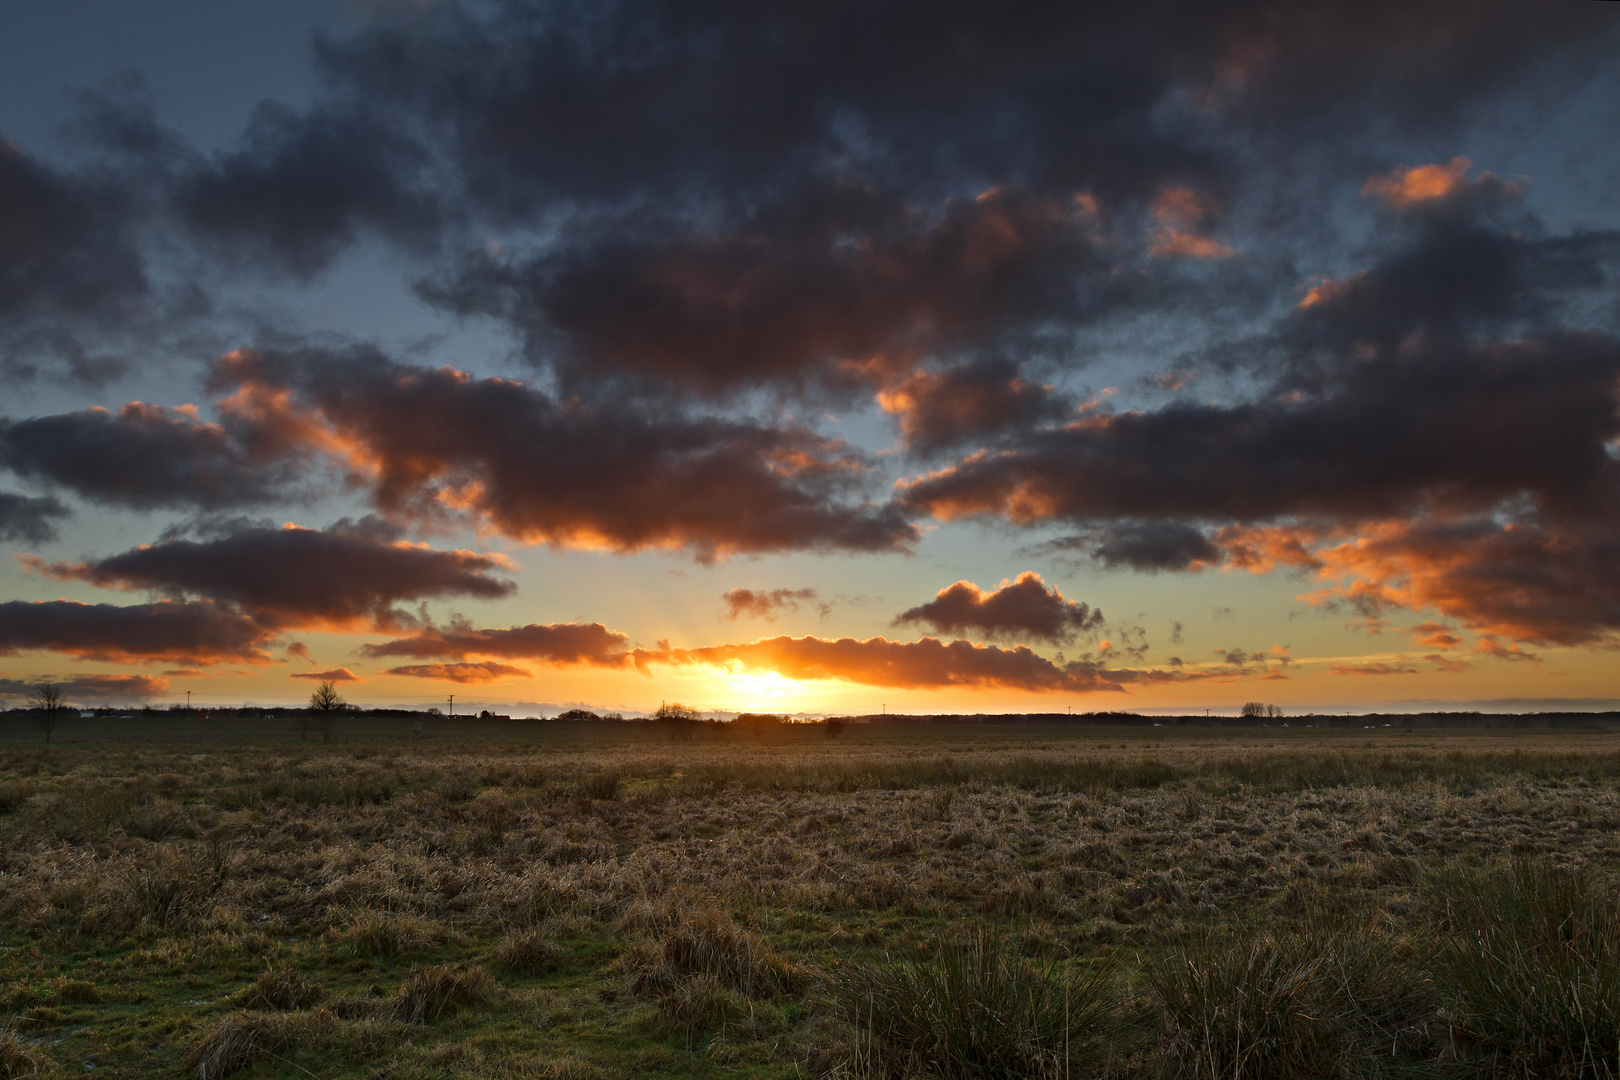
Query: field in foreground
[(893, 902)]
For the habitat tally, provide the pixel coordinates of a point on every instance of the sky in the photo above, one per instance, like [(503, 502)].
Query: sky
[(812, 358)]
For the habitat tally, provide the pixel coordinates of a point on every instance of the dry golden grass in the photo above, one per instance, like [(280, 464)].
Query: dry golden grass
[(684, 907)]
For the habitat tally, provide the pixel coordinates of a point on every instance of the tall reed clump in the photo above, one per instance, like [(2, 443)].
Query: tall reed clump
[(1534, 966), (1289, 1005), (972, 1008)]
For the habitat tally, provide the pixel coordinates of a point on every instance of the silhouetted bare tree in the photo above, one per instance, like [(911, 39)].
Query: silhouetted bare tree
[(678, 720), (48, 706), (326, 703)]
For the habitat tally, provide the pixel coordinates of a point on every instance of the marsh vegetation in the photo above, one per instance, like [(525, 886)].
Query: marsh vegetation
[(891, 903)]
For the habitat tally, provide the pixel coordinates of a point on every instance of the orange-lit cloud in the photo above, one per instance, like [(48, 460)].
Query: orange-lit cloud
[(1424, 183), (1185, 216), (1434, 635), (1375, 668), (341, 674), (928, 664), (465, 672), (438, 447), (1172, 243), (1514, 580), (1489, 646), (938, 409)]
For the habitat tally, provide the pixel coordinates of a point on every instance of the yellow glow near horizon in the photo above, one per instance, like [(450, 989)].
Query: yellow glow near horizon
[(764, 685)]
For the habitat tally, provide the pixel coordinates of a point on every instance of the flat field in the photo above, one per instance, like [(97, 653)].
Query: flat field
[(601, 901)]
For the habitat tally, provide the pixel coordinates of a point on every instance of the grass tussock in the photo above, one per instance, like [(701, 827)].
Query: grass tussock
[(20, 1059), (377, 934), (1533, 964), (528, 952), (973, 1008), (686, 937), (436, 992), (242, 1039), (161, 886), (1289, 1005), (279, 991)]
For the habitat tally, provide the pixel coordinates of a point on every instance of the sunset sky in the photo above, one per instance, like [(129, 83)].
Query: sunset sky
[(811, 357)]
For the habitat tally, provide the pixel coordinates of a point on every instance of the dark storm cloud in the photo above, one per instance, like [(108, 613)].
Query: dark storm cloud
[(1395, 396), (737, 194), (611, 102), (196, 632), (1458, 257), (976, 401), (754, 193), (91, 690), (148, 457), (62, 245), (1145, 546), (842, 286), (1025, 607), (30, 519), (301, 189), (768, 604), (69, 267), (1453, 425), (340, 578), (436, 445), (556, 643), (586, 102)]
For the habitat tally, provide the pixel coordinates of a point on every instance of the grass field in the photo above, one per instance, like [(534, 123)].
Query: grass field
[(574, 901)]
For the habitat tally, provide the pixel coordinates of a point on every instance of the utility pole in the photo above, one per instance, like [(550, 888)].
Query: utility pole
[(188, 702), (452, 705)]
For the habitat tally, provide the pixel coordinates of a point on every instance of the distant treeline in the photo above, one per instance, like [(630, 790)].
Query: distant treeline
[(760, 722), (1303, 720)]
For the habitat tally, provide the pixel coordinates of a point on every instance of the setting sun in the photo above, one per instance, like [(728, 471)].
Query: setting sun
[(754, 687)]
